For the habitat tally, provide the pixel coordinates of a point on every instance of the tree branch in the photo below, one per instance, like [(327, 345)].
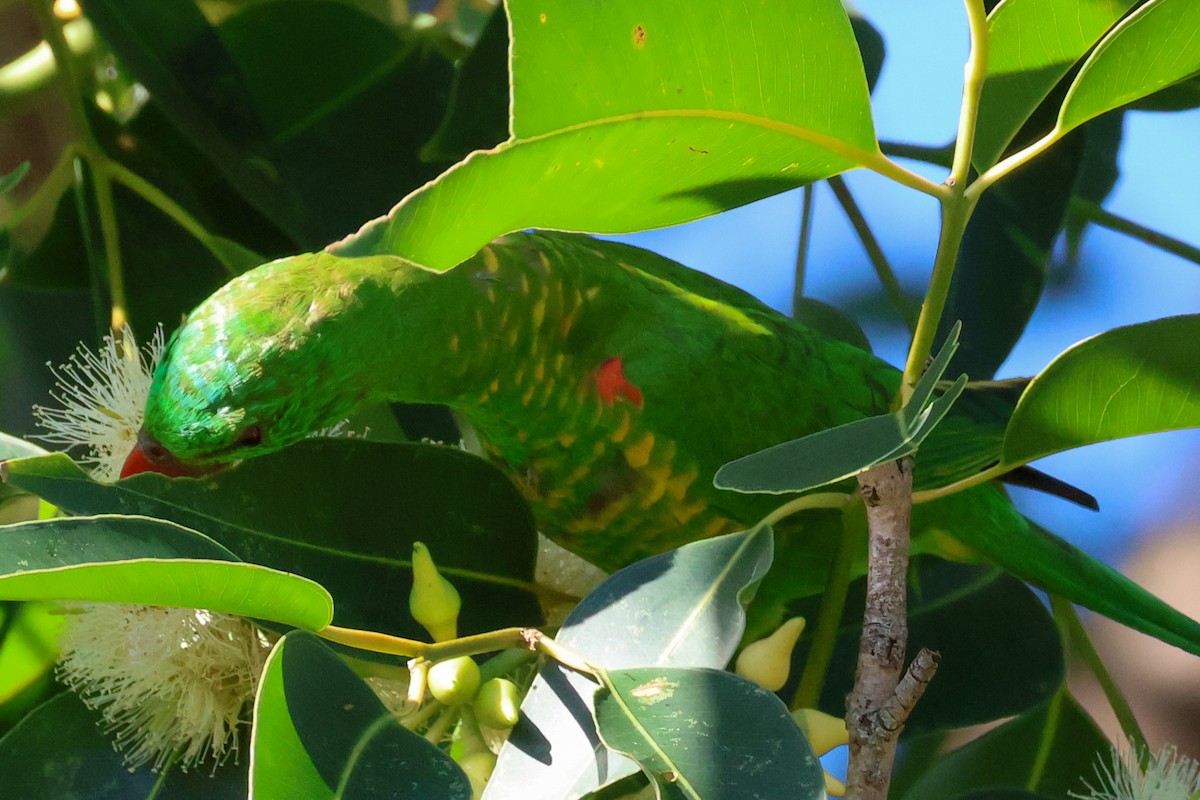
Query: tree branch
[(881, 700)]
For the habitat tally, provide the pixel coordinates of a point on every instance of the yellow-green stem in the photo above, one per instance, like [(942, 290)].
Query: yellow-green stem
[(956, 212), (504, 639), (829, 619), (975, 73)]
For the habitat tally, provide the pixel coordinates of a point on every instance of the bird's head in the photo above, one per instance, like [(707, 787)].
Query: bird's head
[(249, 372)]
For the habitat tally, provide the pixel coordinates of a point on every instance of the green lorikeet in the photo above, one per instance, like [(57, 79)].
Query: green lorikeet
[(610, 384)]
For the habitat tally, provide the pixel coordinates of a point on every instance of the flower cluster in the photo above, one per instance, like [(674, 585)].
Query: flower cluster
[(171, 683), (1127, 776), (102, 397)]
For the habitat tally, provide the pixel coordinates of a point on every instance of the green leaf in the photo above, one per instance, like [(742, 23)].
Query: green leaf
[(1124, 382), (28, 646), (1097, 176), (1149, 50), (1049, 750), (1032, 44), (122, 559), (628, 115), (701, 734), (320, 732), (983, 519), (991, 630), (835, 454), (308, 510), (59, 751), (682, 608), (1176, 97)]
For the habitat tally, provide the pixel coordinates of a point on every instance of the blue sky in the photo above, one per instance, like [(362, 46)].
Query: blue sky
[(1141, 483)]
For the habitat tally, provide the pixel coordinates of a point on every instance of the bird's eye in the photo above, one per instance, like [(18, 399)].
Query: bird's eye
[(251, 437)]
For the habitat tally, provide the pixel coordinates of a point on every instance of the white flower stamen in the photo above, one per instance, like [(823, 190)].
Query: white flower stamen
[(171, 683), (103, 400), (1167, 776)]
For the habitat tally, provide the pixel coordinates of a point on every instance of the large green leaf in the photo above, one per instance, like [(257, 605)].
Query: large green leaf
[(702, 734), (1032, 44), (983, 519), (119, 559), (1151, 49), (1124, 382), (835, 454), (628, 115), (59, 751), (1049, 750), (320, 732), (682, 608), (990, 629), (308, 510)]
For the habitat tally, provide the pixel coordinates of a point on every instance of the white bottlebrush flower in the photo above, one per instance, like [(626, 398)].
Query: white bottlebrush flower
[(1167, 776), (103, 401), (171, 683)]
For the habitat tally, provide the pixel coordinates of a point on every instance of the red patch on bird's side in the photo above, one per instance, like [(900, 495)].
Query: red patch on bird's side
[(611, 382)]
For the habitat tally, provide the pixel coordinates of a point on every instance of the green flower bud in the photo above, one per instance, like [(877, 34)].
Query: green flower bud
[(433, 602), (498, 704), (454, 681), (478, 767), (768, 661)]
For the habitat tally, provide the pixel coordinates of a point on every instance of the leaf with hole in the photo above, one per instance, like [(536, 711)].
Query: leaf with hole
[(700, 734)]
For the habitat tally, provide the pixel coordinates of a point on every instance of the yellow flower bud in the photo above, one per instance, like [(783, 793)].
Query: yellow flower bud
[(823, 731), (768, 661), (454, 681), (433, 602), (833, 786), (498, 704), (478, 767)]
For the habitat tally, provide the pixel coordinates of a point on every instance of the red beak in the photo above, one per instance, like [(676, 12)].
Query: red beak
[(150, 456)]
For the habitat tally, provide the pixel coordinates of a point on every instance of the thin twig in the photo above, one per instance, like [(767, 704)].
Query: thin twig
[(806, 215), (1080, 644), (1098, 215), (887, 276)]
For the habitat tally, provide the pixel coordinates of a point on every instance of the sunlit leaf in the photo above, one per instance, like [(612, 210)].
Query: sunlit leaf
[(308, 510), (119, 559), (681, 608), (1151, 49), (1032, 44), (320, 732), (661, 113), (1125, 382), (700, 734)]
